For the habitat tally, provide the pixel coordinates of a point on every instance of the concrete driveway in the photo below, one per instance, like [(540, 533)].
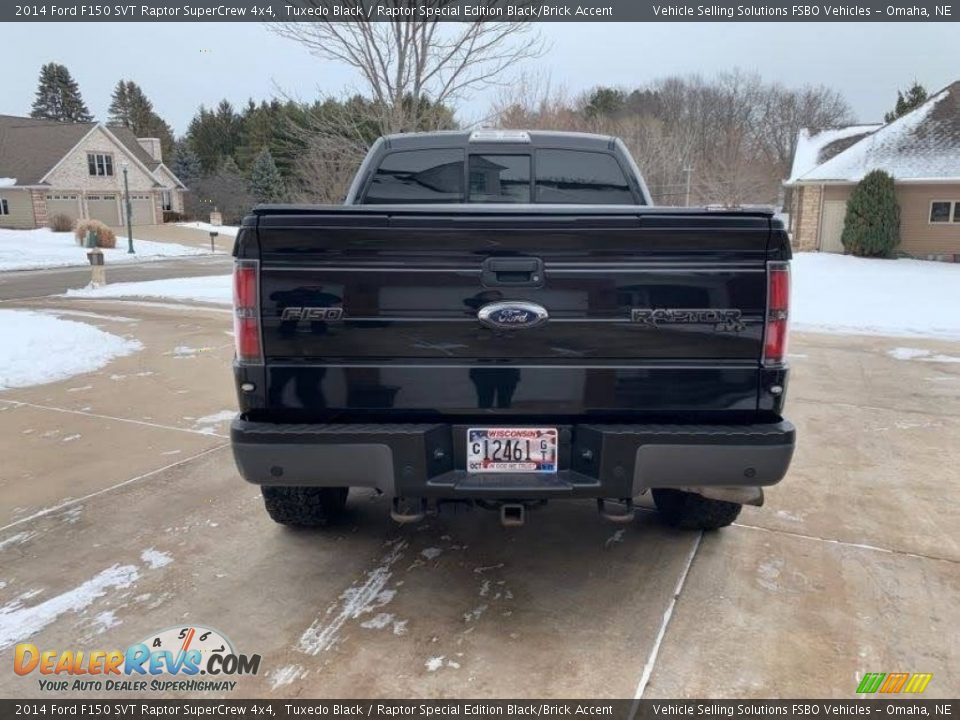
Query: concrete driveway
[(121, 514)]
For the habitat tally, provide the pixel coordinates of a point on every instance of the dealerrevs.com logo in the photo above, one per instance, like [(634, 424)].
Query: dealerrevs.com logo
[(188, 659)]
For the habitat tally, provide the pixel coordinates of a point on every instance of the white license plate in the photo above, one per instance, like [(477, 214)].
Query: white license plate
[(511, 450)]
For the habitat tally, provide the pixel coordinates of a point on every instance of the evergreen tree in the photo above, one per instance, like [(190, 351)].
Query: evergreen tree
[(915, 97), (58, 96), (266, 184), (131, 108), (119, 110), (872, 223), (185, 164)]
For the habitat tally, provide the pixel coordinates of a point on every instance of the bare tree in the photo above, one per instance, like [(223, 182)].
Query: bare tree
[(413, 74), (402, 61)]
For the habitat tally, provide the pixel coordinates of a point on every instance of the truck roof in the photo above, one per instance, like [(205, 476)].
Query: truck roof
[(496, 137)]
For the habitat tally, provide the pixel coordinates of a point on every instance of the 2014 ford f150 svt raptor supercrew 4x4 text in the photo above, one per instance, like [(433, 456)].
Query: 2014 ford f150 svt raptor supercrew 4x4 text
[(502, 318)]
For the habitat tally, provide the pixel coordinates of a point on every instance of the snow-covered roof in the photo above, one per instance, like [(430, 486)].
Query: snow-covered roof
[(7, 182), (816, 147), (924, 144)]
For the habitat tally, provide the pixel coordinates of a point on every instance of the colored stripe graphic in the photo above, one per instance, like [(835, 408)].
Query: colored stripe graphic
[(870, 683), (894, 682), (918, 683)]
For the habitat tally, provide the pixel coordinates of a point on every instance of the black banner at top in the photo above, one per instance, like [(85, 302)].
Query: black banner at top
[(477, 10)]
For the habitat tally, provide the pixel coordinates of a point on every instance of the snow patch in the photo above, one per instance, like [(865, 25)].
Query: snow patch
[(17, 623), (378, 621), (44, 248), (18, 539), (225, 230), (356, 601), (155, 559), (7, 182), (216, 289), (286, 675), (905, 353), (435, 663), (852, 295), (431, 553), (38, 348)]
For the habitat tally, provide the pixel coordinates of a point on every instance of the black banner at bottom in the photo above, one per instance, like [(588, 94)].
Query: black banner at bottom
[(480, 709)]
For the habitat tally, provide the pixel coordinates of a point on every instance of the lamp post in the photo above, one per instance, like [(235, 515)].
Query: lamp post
[(126, 193)]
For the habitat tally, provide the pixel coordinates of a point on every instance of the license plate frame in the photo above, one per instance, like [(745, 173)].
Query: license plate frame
[(533, 449)]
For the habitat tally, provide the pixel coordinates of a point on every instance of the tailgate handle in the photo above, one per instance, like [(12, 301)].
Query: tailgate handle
[(513, 272)]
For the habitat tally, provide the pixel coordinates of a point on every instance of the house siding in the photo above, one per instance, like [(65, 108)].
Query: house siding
[(74, 173), (917, 235), (20, 206)]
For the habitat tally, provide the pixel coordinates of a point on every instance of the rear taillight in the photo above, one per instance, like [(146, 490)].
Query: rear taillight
[(778, 307), (246, 316)]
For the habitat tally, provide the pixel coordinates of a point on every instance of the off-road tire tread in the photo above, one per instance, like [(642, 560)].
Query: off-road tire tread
[(689, 511), (304, 507)]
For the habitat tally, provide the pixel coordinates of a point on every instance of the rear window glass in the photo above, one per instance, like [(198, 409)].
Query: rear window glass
[(418, 176), (500, 178), (576, 176)]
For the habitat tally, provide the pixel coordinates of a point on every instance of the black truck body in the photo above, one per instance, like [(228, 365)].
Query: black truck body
[(373, 339)]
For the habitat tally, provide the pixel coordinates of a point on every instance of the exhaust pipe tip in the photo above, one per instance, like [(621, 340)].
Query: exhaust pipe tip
[(619, 511), (513, 515), (405, 511)]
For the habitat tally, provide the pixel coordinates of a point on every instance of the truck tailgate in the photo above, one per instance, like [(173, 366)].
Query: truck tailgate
[(411, 284)]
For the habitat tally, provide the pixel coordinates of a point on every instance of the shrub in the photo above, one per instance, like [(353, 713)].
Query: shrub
[(172, 216), (60, 223), (105, 236), (871, 227)]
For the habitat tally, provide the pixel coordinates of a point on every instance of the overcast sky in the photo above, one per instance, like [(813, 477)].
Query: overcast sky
[(181, 65)]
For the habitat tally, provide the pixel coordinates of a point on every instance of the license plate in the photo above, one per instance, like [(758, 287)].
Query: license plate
[(511, 450)]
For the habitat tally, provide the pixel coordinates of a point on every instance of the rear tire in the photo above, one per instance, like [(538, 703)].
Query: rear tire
[(690, 511), (304, 507)]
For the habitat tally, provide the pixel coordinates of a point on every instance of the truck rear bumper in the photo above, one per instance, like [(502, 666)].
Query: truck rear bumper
[(596, 460)]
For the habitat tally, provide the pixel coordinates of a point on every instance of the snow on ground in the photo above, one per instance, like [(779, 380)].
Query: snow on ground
[(229, 230), (43, 248), (38, 348), (207, 288), (862, 296), (18, 621)]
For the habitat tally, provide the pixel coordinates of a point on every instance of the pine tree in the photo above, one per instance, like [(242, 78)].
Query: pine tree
[(131, 108), (266, 183), (915, 97), (120, 105), (58, 96), (872, 223), (185, 164)]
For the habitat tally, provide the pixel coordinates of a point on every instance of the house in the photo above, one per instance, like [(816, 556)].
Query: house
[(76, 169), (921, 150)]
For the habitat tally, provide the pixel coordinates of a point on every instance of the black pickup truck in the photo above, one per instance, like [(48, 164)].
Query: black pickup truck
[(501, 318)]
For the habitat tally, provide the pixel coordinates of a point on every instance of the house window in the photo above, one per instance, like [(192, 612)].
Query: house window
[(166, 200), (945, 211), (4, 207), (100, 164)]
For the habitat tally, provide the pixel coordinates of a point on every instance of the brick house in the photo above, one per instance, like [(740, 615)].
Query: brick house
[(921, 150), (76, 169)]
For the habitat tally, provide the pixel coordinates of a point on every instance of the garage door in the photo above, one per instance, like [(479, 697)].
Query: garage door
[(63, 204), (141, 207), (831, 227), (104, 208)]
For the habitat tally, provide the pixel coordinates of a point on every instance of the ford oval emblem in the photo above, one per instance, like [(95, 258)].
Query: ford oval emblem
[(513, 315)]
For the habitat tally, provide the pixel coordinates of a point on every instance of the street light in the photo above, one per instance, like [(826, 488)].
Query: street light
[(126, 192)]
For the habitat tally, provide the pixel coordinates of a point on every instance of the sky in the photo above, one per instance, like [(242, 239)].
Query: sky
[(183, 65)]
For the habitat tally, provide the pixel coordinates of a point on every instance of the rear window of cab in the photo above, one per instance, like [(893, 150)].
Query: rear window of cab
[(558, 176)]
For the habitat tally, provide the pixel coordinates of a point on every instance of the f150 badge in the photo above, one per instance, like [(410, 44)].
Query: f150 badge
[(312, 313), (513, 315), (722, 319)]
